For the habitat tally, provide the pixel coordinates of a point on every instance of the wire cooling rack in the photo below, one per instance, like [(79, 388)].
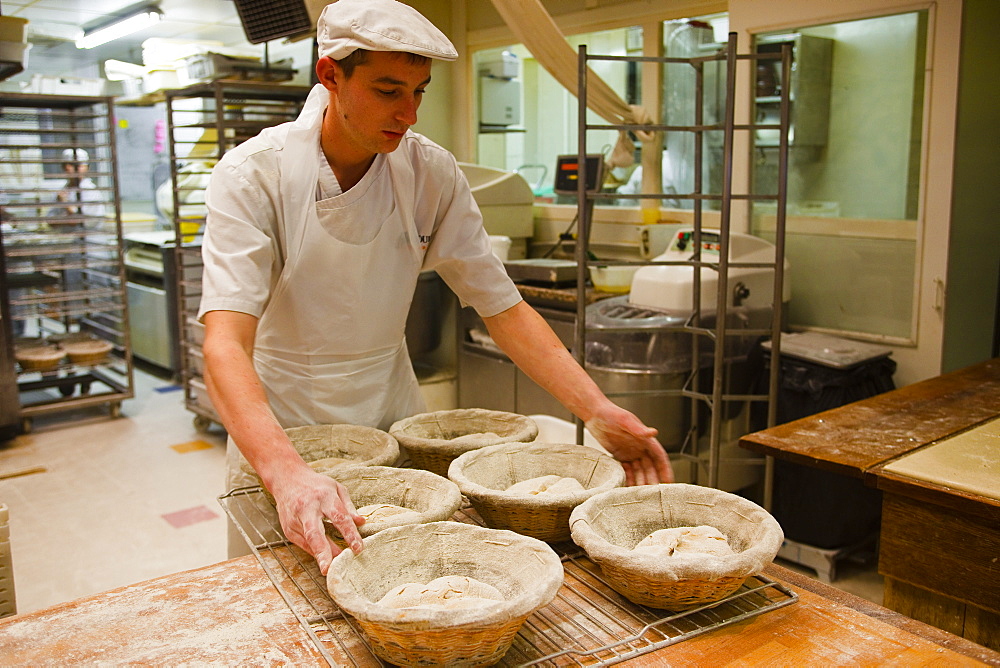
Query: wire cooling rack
[(588, 623)]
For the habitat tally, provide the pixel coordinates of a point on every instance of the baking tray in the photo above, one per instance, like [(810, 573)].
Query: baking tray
[(829, 351), (588, 623), (548, 271)]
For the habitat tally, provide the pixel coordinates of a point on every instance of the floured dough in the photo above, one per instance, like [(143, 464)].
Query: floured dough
[(328, 463), (547, 484), (378, 512), (447, 592), (484, 437), (679, 541)]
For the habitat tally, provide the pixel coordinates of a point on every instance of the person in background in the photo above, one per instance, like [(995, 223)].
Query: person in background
[(84, 201), (79, 188), (634, 185), (317, 231)]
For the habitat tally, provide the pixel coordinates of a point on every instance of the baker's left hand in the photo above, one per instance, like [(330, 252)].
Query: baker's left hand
[(633, 444)]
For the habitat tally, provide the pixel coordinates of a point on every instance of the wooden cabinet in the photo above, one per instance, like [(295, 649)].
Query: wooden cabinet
[(938, 544), (939, 564)]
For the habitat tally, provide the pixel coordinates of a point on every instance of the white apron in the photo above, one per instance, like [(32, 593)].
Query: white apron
[(330, 346)]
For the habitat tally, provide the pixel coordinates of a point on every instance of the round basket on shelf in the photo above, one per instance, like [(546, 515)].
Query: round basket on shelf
[(541, 509), (609, 525), (433, 440), (522, 574), (39, 358), (381, 492), (329, 446), (86, 352)]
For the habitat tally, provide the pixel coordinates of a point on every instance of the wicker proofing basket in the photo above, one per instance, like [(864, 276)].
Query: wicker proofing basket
[(526, 571), (87, 352), (609, 525), (484, 475), (327, 446), (38, 358), (433, 440), (433, 498)]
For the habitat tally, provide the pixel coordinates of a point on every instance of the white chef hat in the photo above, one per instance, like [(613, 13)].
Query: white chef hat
[(77, 155), (378, 25)]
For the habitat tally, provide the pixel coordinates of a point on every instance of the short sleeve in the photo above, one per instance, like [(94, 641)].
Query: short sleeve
[(460, 249), (242, 245)]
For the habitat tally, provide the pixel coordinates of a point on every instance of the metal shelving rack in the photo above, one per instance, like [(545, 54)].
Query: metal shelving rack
[(717, 397), (62, 252), (203, 122)]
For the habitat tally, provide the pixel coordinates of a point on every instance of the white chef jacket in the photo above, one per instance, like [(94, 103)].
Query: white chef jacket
[(260, 185)]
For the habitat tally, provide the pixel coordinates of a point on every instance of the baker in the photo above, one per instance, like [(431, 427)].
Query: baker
[(316, 234), (79, 187)]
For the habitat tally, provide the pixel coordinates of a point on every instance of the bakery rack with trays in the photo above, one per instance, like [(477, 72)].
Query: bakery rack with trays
[(588, 623), (204, 121), (62, 268)]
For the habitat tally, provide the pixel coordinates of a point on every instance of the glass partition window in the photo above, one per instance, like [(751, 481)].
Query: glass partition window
[(549, 112), (545, 123), (857, 96), (853, 227)]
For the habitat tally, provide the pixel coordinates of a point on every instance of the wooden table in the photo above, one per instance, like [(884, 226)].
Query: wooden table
[(939, 546), (230, 613)]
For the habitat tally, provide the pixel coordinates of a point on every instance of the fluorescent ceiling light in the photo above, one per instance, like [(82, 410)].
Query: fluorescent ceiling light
[(119, 27)]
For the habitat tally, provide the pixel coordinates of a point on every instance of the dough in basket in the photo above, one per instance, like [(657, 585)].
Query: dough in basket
[(446, 592), (484, 437), (331, 463), (378, 512), (679, 541), (547, 484)]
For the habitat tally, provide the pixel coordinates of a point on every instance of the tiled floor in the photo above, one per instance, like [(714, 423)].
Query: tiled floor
[(128, 499), (857, 574), (118, 500)]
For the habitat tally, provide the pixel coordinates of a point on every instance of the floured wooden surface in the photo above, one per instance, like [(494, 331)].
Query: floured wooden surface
[(221, 615), (230, 614), (854, 438), (969, 462), (816, 631)]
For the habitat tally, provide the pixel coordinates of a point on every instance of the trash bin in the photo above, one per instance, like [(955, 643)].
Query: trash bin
[(819, 372)]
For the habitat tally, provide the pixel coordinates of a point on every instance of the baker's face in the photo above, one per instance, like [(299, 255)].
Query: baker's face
[(378, 103)]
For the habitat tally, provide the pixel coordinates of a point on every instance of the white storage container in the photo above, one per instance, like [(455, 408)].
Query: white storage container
[(14, 52), (55, 85), (133, 87), (160, 79)]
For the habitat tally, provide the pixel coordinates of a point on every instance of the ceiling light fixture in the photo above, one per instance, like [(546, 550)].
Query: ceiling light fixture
[(119, 26)]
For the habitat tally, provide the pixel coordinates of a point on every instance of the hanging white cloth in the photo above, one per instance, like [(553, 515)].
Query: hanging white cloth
[(536, 29)]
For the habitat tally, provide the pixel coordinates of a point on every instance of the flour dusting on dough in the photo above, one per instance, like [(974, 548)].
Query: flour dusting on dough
[(680, 541), (447, 592), (547, 484)]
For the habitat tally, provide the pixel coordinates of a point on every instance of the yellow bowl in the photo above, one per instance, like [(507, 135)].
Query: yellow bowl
[(616, 279)]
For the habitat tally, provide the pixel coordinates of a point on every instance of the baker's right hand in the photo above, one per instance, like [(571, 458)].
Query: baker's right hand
[(304, 499)]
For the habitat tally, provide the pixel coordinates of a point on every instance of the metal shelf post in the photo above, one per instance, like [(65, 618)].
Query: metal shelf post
[(234, 111), (718, 335)]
